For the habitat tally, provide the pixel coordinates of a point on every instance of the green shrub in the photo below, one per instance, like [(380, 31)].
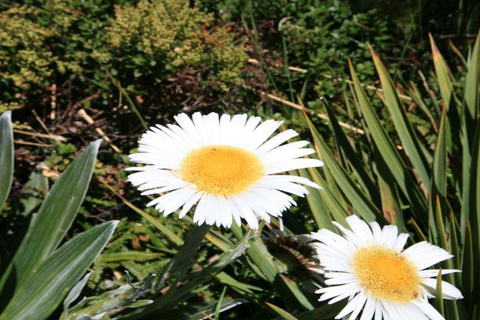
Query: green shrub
[(165, 37), (93, 49)]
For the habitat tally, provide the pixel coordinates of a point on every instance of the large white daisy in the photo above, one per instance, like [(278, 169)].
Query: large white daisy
[(368, 266), (225, 165)]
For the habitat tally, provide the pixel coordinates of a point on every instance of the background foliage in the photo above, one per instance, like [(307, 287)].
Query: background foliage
[(76, 71)]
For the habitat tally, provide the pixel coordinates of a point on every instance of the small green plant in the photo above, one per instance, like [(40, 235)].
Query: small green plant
[(42, 271), (162, 38)]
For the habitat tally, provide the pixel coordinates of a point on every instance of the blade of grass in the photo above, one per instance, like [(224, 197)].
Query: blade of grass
[(472, 104), (317, 205), (475, 206), (420, 102), (441, 69), (400, 119), (471, 83), (391, 206), (130, 101), (443, 76), (439, 295), (469, 258), (336, 209), (365, 208), (284, 314), (6, 156), (456, 249), (218, 308), (438, 190), (360, 173), (403, 175), (184, 258), (242, 288)]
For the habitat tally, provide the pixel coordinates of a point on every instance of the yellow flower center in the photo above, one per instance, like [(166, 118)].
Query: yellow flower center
[(221, 170), (386, 274)]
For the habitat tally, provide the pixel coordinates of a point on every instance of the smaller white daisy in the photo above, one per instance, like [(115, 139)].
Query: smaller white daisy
[(225, 165), (368, 266)]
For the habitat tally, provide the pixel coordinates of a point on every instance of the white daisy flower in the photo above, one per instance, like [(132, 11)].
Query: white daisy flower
[(226, 165), (368, 266)]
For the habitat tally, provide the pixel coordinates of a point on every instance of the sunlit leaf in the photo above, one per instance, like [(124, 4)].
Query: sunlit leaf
[(56, 214), (6, 156), (44, 289)]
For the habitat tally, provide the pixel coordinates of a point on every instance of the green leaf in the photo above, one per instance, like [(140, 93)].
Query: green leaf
[(42, 291), (6, 156), (75, 293), (218, 308), (34, 191), (287, 289), (175, 294), (294, 288), (471, 84), (471, 110), (193, 311), (232, 283), (335, 208), (469, 259), (449, 100), (403, 175), (56, 214), (362, 204), (438, 191), (415, 94), (361, 174), (443, 74), (130, 255), (391, 206), (139, 303), (122, 297), (399, 118), (325, 312), (284, 314), (439, 295), (184, 258), (474, 214), (317, 205)]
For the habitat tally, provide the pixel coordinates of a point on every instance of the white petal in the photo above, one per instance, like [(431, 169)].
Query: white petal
[(351, 305), (449, 291), (428, 309), (389, 234), (189, 204), (424, 255), (362, 299), (369, 309), (401, 241), (361, 230), (331, 292), (275, 141), (246, 212), (260, 134), (434, 272), (293, 165), (201, 211)]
